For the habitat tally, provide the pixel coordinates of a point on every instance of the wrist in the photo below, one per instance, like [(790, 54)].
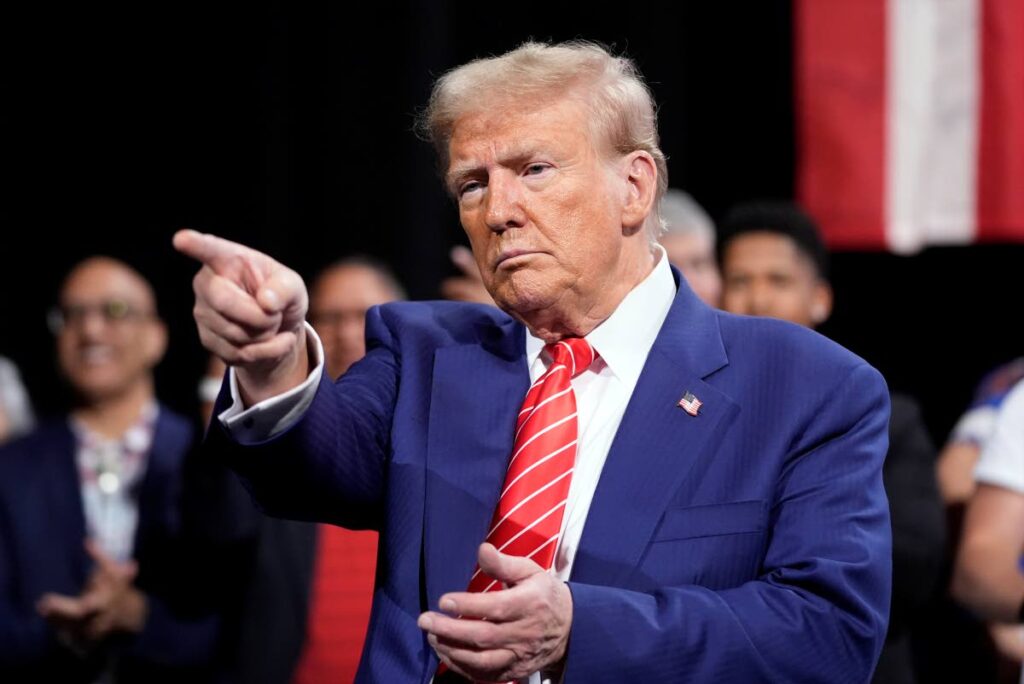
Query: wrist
[(262, 381)]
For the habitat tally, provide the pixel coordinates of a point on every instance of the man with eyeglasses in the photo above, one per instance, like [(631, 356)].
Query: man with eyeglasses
[(89, 507)]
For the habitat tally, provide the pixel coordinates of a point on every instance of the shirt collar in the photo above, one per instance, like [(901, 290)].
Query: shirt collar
[(625, 338)]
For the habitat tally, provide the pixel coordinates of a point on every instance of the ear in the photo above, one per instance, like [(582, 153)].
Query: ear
[(821, 303), (641, 176), (155, 341)]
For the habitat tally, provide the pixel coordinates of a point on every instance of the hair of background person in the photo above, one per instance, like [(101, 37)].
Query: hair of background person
[(682, 215), (379, 268), (782, 218), (621, 106)]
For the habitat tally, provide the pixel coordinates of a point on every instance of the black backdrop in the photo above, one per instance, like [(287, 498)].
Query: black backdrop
[(288, 126)]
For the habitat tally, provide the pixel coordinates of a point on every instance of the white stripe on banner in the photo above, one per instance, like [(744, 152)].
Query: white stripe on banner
[(932, 115)]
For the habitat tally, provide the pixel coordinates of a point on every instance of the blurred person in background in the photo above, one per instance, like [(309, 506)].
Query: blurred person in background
[(338, 301), (775, 264), (89, 506), (689, 241), (956, 472), (307, 604), (989, 576), (16, 416), (972, 431)]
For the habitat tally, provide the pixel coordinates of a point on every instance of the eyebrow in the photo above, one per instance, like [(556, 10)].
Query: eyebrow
[(514, 156)]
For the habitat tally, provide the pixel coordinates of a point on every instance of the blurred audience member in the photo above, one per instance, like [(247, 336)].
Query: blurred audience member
[(338, 302), (689, 240), (468, 286), (89, 505), (960, 455), (15, 410), (989, 577), (209, 387), (775, 264), (308, 605)]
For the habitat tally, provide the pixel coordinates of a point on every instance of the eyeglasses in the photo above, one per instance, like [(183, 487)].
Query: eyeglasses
[(111, 311)]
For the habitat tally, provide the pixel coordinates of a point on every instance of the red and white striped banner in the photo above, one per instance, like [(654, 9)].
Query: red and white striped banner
[(910, 121)]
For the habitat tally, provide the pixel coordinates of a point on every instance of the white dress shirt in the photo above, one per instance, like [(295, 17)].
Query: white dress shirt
[(110, 471), (622, 342)]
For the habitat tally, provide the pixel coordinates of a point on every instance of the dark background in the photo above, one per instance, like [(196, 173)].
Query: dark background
[(288, 127)]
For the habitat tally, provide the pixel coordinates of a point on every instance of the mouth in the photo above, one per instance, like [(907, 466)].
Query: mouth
[(95, 355), (509, 257)]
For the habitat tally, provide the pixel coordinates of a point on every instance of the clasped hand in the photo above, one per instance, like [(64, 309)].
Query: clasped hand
[(505, 635)]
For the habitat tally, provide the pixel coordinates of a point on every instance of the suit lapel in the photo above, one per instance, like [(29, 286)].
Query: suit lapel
[(477, 391), (658, 445)]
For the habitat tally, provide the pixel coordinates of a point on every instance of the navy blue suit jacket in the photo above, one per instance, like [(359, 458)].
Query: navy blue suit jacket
[(42, 529), (748, 543)]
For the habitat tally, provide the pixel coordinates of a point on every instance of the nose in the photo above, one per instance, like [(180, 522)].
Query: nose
[(504, 202), (761, 300)]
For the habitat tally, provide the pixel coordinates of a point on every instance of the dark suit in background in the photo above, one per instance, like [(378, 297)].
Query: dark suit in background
[(918, 532), (42, 528)]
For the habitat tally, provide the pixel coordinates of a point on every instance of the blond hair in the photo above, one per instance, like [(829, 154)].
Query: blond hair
[(621, 106)]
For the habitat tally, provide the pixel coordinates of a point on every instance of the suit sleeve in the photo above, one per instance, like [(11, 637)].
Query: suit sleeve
[(25, 637), (330, 465), (817, 611)]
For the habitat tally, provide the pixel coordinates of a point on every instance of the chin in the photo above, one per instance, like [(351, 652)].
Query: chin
[(522, 293)]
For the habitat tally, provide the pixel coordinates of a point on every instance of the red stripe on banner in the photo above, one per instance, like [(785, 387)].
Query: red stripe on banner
[(840, 60), (1001, 138)]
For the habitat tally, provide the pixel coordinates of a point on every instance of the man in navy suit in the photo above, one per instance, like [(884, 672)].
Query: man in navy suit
[(726, 519), (90, 559)]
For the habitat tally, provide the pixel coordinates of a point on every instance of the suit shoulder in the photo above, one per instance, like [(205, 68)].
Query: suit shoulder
[(444, 322), (28, 452), (769, 342)]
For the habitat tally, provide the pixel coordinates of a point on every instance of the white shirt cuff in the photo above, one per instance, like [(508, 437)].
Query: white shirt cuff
[(271, 417)]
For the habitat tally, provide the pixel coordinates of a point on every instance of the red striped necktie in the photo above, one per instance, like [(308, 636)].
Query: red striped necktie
[(528, 519)]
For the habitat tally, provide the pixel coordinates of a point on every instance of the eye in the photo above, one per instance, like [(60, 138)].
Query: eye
[(468, 187), (536, 169)]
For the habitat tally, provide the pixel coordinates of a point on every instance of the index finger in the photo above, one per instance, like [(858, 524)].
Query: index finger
[(206, 248)]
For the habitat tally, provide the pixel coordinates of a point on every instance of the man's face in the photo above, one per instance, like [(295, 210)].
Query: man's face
[(337, 310), (109, 338), (542, 207), (765, 274), (693, 253)]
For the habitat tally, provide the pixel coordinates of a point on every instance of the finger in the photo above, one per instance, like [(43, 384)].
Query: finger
[(60, 607), (235, 333), (463, 632), (505, 568), (218, 253), (206, 248), (462, 257), (492, 665), (231, 300), (285, 293), (272, 350)]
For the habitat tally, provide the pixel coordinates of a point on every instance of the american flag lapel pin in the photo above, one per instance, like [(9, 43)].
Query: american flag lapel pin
[(690, 403)]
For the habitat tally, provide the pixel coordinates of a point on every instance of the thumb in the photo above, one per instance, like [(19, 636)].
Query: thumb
[(510, 570)]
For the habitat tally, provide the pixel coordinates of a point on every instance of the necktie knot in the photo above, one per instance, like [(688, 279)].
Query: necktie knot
[(575, 353)]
